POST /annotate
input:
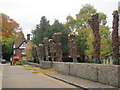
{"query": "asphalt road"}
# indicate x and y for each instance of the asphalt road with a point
(15, 77)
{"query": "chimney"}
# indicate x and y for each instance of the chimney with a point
(28, 37)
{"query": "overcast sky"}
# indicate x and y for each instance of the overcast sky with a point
(29, 12)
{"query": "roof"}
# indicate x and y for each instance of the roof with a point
(18, 42)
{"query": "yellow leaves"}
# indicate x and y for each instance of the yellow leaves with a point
(44, 71)
(119, 9)
(38, 70)
(28, 50)
(29, 68)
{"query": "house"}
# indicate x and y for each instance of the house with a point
(19, 46)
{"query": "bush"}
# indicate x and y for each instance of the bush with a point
(67, 59)
(20, 62)
(116, 61)
(80, 60)
(95, 61)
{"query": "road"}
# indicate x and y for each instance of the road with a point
(15, 77)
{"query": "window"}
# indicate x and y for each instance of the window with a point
(23, 51)
(14, 52)
(23, 58)
(23, 45)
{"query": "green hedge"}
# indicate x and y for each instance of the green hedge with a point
(20, 62)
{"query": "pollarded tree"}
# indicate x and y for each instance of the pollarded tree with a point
(80, 25)
(106, 42)
(44, 29)
(59, 27)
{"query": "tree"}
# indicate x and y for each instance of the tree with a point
(71, 23)
(81, 41)
(106, 43)
(83, 16)
(85, 36)
(7, 44)
(59, 27)
(9, 26)
(44, 29)
(41, 31)
(10, 31)
(28, 50)
(18, 34)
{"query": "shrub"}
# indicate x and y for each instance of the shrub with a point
(95, 61)
(20, 62)
(80, 60)
(67, 59)
(116, 61)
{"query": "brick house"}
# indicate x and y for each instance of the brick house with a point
(19, 46)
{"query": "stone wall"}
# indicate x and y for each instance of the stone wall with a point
(61, 67)
(105, 74)
(87, 71)
(109, 74)
(46, 65)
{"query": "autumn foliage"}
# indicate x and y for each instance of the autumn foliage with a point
(9, 26)
(9, 31)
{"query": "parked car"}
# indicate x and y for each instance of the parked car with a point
(0, 59)
(3, 61)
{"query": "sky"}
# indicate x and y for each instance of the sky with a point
(29, 12)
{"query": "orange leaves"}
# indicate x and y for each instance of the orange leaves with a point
(9, 26)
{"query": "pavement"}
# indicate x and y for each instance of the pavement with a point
(79, 82)
(1, 74)
(15, 77)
